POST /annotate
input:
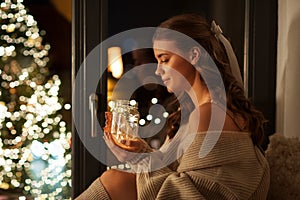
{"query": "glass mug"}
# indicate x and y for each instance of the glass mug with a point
(124, 120)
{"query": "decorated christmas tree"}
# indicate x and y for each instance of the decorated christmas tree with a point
(35, 155)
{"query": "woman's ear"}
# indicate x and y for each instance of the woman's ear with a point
(194, 55)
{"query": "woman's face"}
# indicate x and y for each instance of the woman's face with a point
(172, 67)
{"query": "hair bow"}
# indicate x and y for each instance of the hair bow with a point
(234, 66)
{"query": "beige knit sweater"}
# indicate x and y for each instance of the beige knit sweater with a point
(234, 169)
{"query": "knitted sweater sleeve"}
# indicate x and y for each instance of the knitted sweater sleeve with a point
(95, 191)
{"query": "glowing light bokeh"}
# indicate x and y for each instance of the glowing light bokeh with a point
(35, 141)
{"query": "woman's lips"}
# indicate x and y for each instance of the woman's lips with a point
(165, 80)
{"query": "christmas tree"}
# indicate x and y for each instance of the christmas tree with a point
(35, 154)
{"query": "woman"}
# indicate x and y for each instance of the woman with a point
(214, 136)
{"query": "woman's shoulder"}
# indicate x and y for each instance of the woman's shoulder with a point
(205, 112)
(210, 116)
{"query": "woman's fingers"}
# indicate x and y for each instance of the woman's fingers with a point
(136, 145)
(121, 154)
(108, 121)
(126, 149)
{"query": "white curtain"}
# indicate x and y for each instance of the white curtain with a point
(288, 69)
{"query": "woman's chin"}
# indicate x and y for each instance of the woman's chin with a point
(174, 90)
(169, 90)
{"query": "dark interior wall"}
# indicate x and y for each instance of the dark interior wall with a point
(229, 14)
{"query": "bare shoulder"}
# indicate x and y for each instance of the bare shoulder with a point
(205, 118)
(205, 112)
(200, 118)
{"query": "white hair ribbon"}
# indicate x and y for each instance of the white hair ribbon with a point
(234, 66)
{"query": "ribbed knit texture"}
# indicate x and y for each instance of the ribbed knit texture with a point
(94, 191)
(234, 169)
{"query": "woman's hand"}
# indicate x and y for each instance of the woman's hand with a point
(124, 149)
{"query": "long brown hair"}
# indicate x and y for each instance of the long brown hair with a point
(197, 28)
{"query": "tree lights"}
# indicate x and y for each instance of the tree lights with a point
(35, 141)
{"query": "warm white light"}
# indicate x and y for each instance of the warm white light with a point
(2, 51)
(11, 28)
(149, 117)
(111, 104)
(157, 121)
(142, 122)
(154, 100)
(67, 106)
(165, 114)
(115, 63)
(132, 102)
(3, 109)
(35, 111)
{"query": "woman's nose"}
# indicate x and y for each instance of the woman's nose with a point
(159, 70)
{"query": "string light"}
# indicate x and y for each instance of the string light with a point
(35, 141)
